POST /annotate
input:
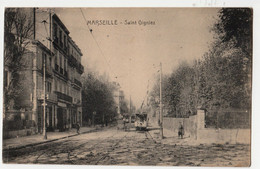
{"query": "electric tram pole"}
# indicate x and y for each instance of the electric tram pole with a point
(44, 133)
(161, 115)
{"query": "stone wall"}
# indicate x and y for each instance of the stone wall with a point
(222, 136)
(194, 127)
(189, 124)
(19, 133)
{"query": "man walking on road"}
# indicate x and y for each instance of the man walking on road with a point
(181, 131)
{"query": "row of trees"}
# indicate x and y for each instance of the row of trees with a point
(99, 95)
(222, 78)
(18, 29)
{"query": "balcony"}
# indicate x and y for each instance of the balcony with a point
(80, 69)
(48, 71)
(61, 71)
(49, 96)
(76, 101)
(73, 61)
(56, 40)
(61, 44)
(56, 67)
(66, 49)
(77, 82)
(65, 73)
(64, 97)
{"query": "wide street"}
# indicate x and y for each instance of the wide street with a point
(117, 147)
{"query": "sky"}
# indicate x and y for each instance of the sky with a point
(132, 53)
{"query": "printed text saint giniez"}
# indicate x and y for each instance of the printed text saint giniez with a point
(116, 22)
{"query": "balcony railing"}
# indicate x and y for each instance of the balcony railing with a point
(49, 96)
(73, 61)
(77, 82)
(61, 70)
(56, 40)
(62, 96)
(65, 73)
(56, 67)
(80, 69)
(76, 101)
(61, 44)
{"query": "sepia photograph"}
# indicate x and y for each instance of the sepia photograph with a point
(127, 86)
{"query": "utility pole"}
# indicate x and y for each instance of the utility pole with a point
(161, 115)
(44, 99)
(130, 111)
(118, 111)
(44, 83)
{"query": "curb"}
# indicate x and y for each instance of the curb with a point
(43, 142)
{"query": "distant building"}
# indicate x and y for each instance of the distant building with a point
(50, 40)
(118, 96)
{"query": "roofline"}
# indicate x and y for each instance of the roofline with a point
(75, 45)
(55, 17)
(42, 46)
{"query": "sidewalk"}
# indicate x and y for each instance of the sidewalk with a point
(170, 137)
(20, 142)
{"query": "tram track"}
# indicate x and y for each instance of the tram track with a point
(76, 150)
(68, 150)
(112, 147)
(149, 136)
(93, 146)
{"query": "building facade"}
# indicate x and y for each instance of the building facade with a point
(52, 48)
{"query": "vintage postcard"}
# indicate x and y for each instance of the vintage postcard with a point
(128, 86)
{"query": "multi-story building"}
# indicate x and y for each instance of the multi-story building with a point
(52, 46)
(118, 97)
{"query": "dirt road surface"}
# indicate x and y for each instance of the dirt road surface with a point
(118, 147)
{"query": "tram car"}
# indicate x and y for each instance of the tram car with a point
(141, 122)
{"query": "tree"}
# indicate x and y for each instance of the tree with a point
(18, 29)
(222, 78)
(98, 96)
(234, 43)
(236, 24)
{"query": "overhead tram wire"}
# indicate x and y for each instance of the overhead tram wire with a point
(147, 92)
(91, 32)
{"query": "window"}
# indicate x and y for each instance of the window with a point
(65, 64)
(65, 89)
(55, 85)
(60, 62)
(55, 31)
(60, 87)
(50, 61)
(43, 58)
(65, 41)
(48, 86)
(61, 43)
(55, 56)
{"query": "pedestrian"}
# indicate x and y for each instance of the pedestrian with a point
(78, 127)
(181, 131)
